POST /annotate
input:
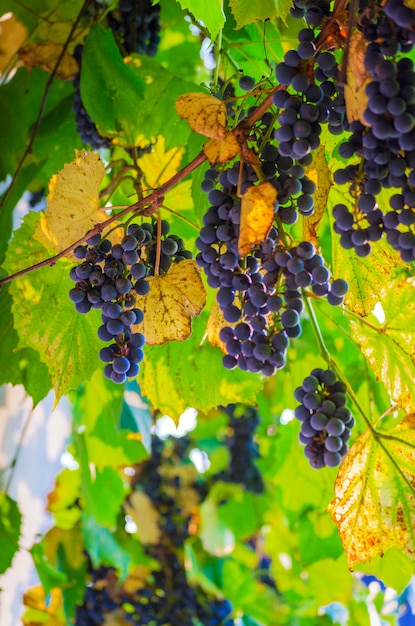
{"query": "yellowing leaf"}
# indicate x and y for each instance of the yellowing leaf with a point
(389, 348)
(72, 203)
(357, 78)
(410, 4)
(215, 322)
(145, 516)
(45, 55)
(34, 598)
(257, 216)
(205, 114)
(374, 504)
(221, 151)
(320, 174)
(12, 34)
(173, 300)
(158, 165)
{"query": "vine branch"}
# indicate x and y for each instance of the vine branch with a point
(148, 206)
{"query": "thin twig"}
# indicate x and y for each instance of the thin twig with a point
(148, 205)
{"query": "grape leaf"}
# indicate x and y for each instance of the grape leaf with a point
(221, 151)
(364, 275)
(111, 90)
(145, 515)
(257, 216)
(209, 13)
(106, 510)
(62, 500)
(182, 374)
(43, 608)
(374, 504)
(19, 366)
(10, 523)
(160, 164)
(320, 174)
(204, 113)
(72, 203)
(45, 318)
(246, 11)
(389, 348)
(357, 79)
(13, 34)
(174, 298)
(216, 321)
(153, 117)
(45, 55)
(101, 441)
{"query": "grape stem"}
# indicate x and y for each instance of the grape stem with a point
(333, 364)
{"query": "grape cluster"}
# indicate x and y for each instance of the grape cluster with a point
(166, 599)
(111, 277)
(243, 421)
(85, 126)
(326, 422)
(136, 25)
(260, 295)
(162, 477)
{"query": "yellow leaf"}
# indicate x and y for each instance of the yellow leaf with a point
(389, 347)
(145, 516)
(320, 174)
(72, 203)
(158, 165)
(136, 580)
(205, 114)
(12, 34)
(34, 598)
(357, 78)
(257, 216)
(374, 504)
(45, 55)
(410, 4)
(215, 322)
(221, 151)
(173, 300)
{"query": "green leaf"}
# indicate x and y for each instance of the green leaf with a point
(60, 561)
(210, 13)
(336, 571)
(10, 523)
(217, 538)
(105, 510)
(389, 347)
(49, 575)
(179, 375)
(243, 591)
(45, 318)
(246, 11)
(229, 500)
(100, 439)
(156, 114)
(114, 549)
(111, 92)
(135, 415)
(19, 366)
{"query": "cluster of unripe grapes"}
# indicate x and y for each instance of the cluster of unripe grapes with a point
(326, 422)
(111, 277)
